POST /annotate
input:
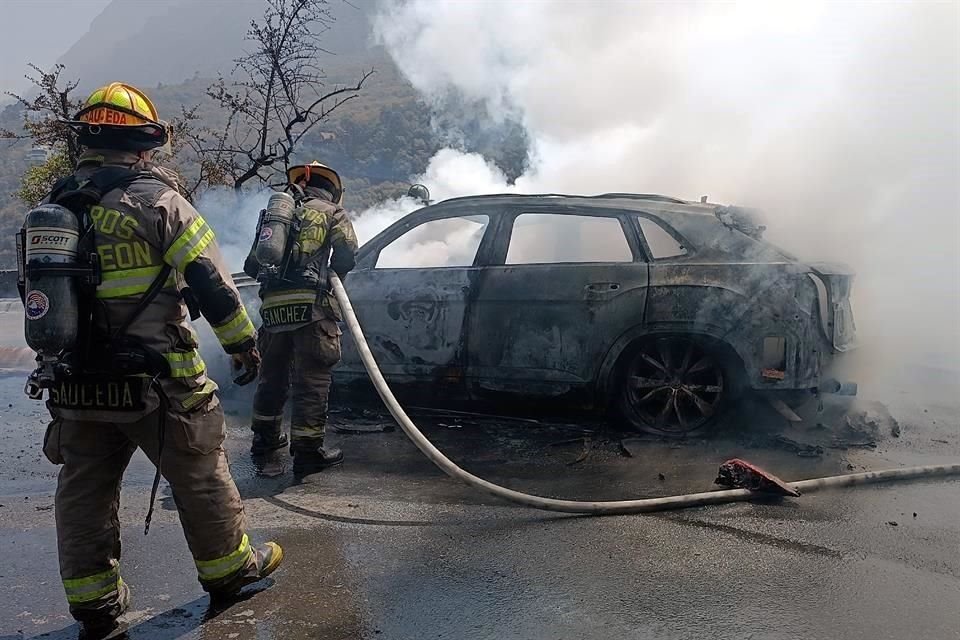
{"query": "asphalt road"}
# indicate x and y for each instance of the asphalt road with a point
(386, 547)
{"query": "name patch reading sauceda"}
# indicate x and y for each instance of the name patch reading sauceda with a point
(123, 394)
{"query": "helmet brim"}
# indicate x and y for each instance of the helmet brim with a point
(131, 138)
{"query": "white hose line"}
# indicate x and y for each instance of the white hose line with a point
(576, 506)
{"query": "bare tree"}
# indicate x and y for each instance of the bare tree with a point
(196, 167)
(276, 96)
(44, 114)
(43, 123)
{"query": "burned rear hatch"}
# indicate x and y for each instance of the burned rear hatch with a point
(834, 282)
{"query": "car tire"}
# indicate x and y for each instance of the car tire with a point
(674, 385)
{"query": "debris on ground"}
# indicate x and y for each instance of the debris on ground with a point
(870, 423)
(632, 447)
(354, 428)
(740, 474)
(584, 453)
(840, 443)
(893, 523)
(802, 449)
(451, 413)
(560, 443)
(359, 420)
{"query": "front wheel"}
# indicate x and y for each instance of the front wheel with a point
(673, 386)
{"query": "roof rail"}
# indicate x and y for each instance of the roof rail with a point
(641, 196)
(623, 196)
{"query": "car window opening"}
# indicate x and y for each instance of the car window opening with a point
(549, 238)
(447, 242)
(662, 244)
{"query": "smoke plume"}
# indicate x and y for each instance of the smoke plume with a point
(841, 121)
(234, 219)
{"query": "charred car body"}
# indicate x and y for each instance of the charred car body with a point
(660, 309)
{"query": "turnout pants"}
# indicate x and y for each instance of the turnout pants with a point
(298, 363)
(94, 456)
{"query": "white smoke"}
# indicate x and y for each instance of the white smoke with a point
(841, 120)
(450, 174)
(233, 218)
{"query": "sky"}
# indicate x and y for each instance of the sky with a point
(64, 22)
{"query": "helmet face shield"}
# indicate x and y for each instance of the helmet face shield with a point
(167, 146)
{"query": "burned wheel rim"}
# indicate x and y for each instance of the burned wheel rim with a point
(673, 386)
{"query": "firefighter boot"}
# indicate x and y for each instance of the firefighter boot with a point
(267, 558)
(101, 622)
(269, 455)
(312, 457)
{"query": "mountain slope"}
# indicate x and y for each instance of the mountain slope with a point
(169, 41)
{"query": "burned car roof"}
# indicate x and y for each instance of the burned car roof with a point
(713, 230)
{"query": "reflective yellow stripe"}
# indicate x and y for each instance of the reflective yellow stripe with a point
(200, 395)
(82, 590)
(189, 244)
(298, 296)
(306, 433)
(237, 328)
(185, 365)
(259, 417)
(228, 564)
(129, 282)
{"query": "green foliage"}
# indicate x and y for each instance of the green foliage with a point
(37, 181)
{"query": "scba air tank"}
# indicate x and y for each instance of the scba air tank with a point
(50, 301)
(276, 226)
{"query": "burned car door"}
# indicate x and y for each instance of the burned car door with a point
(410, 294)
(566, 283)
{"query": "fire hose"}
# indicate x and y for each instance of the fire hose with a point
(645, 505)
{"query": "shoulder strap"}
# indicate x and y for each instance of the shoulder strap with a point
(67, 183)
(76, 195)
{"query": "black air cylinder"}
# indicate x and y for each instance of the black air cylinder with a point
(50, 301)
(276, 225)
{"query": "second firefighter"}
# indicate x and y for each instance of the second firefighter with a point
(299, 339)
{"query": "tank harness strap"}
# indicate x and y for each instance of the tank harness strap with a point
(145, 300)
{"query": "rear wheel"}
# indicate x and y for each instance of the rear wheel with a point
(673, 385)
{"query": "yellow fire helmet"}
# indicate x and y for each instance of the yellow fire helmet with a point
(317, 175)
(120, 116)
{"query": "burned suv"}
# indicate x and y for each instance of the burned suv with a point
(661, 309)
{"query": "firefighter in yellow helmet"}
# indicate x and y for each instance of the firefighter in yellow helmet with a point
(139, 381)
(300, 338)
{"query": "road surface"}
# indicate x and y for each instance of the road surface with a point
(386, 547)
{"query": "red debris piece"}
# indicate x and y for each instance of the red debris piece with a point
(740, 474)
